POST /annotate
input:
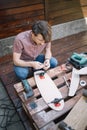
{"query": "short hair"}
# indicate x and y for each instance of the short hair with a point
(42, 27)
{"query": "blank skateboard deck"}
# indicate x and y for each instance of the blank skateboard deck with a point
(74, 83)
(75, 80)
(82, 71)
(48, 90)
(77, 118)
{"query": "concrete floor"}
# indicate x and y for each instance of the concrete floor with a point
(7, 111)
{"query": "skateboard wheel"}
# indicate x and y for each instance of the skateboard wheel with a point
(57, 104)
(42, 77)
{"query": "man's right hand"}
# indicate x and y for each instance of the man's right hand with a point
(37, 65)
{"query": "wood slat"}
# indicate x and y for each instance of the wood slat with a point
(67, 11)
(14, 4)
(66, 18)
(21, 16)
(83, 2)
(63, 5)
(76, 120)
(21, 9)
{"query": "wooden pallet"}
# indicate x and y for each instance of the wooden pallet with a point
(42, 117)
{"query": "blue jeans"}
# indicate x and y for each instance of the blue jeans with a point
(25, 72)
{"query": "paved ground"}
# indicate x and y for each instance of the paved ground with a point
(9, 119)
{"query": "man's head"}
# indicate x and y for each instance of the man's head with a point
(41, 32)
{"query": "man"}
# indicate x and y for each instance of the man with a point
(28, 47)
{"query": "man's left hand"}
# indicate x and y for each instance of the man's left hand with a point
(46, 64)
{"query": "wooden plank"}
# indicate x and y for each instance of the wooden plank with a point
(13, 4)
(84, 10)
(46, 7)
(83, 2)
(17, 28)
(67, 11)
(21, 9)
(21, 16)
(67, 18)
(50, 126)
(77, 118)
(63, 5)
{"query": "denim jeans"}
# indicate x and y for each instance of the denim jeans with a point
(25, 72)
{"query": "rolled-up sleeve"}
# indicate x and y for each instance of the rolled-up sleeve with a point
(17, 47)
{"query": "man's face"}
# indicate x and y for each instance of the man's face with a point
(38, 39)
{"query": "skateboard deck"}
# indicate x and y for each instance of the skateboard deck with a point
(48, 90)
(75, 79)
(82, 71)
(74, 83)
(77, 118)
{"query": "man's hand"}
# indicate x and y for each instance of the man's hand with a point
(37, 65)
(46, 64)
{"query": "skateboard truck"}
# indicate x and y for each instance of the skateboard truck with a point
(63, 126)
(28, 90)
(41, 75)
(56, 101)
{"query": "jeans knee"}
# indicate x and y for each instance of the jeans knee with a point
(40, 58)
(53, 63)
(21, 73)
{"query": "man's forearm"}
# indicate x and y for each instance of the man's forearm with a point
(48, 55)
(23, 63)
